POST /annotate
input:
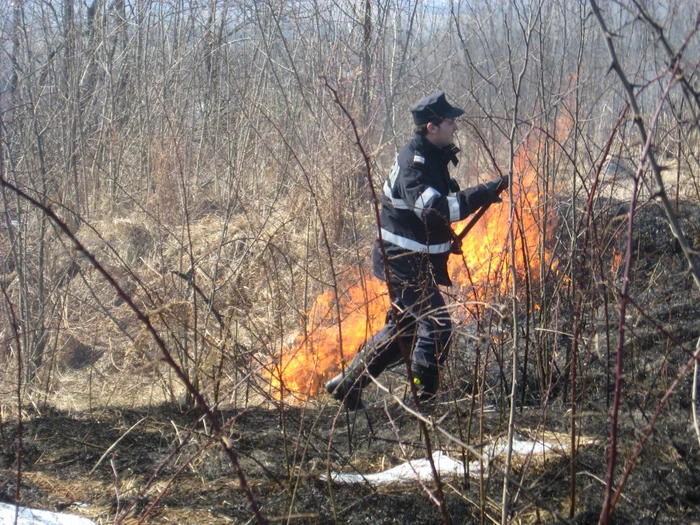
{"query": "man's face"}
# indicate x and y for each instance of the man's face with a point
(443, 134)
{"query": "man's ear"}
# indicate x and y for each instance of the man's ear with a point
(432, 128)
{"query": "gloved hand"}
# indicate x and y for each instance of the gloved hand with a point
(496, 186)
(474, 198)
(454, 186)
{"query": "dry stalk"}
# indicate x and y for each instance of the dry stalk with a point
(436, 425)
(647, 153)
(671, 216)
(405, 452)
(528, 30)
(20, 429)
(579, 302)
(15, 332)
(114, 445)
(652, 422)
(185, 464)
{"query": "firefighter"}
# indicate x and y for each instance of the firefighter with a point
(419, 201)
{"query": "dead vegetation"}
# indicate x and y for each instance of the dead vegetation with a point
(103, 440)
(187, 215)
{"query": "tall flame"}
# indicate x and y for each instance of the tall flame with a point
(485, 250)
(361, 305)
(317, 353)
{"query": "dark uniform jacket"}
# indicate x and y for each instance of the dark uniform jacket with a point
(416, 213)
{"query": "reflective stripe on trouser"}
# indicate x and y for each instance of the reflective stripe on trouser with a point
(424, 325)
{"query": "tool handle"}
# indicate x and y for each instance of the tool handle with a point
(475, 218)
(458, 237)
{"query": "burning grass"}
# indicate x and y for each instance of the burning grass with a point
(334, 332)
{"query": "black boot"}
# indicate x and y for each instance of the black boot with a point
(427, 380)
(347, 387)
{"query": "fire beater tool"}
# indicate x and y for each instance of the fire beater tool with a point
(457, 238)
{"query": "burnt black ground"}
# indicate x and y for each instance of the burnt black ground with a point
(61, 449)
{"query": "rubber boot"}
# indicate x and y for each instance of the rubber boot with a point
(427, 381)
(347, 387)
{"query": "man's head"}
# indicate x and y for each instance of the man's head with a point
(434, 118)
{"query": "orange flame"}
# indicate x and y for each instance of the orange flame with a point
(361, 307)
(616, 262)
(485, 249)
(316, 354)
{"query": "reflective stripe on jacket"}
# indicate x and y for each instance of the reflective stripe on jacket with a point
(417, 210)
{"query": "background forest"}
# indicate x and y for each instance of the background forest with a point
(188, 198)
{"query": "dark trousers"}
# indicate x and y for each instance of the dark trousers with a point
(418, 320)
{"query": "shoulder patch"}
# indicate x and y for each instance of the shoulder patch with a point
(418, 159)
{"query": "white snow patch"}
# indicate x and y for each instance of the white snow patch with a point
(420, 469)
(38, 517)
(408, 471)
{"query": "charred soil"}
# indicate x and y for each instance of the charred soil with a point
(165, 457)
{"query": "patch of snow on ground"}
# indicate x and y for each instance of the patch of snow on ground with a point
(420, 468)
(38, 517)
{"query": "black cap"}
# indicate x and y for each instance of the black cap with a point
(435, 105)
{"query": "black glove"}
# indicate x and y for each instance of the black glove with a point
(474, 198)
(454, 186)
(496, 186)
